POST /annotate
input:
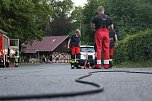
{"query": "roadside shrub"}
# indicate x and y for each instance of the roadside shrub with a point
(135, 48)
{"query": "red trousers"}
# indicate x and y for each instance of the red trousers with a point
(75, 50)
(111, 51)
(102, 43)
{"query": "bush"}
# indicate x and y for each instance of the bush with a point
(135, 48)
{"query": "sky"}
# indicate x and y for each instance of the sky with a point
(79, 2)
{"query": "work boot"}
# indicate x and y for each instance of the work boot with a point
(110, 63)
(78, 66)
(98, 66)
(106, 66)
(72, 66)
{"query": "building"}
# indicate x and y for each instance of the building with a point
(52, 48)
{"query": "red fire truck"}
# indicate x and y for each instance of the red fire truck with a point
(9, 50)
(4, 49)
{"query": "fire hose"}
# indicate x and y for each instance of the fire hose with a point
(99, 88)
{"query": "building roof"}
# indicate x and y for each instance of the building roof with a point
(48, 43)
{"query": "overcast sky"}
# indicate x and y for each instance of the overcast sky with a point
(79, 2)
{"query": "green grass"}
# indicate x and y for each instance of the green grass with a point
(129, 64)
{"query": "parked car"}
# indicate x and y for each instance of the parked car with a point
(87, 53)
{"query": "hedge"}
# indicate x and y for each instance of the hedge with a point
(135, 48)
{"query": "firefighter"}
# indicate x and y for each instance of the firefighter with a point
(113, 44)
(101, 23)
(16, 56)
(74, 46)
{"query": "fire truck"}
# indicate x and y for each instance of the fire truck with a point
(4, 49)
(8, 49)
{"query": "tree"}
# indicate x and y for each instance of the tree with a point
(60, 22)
(60, 26)
(88, 12)
(24, 19)
(77, 17)
(129, 16)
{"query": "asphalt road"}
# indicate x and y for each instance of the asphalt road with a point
(59, 78)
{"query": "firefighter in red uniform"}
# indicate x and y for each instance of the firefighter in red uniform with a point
(101, 23)
(113, 44)
(74, 46)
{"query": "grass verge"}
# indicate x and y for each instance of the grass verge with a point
(128, 64)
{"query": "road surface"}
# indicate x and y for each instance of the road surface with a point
(59, 78)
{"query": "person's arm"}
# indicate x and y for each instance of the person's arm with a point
(80, 43)
(112, 26)
(69, 43)
(116, 40)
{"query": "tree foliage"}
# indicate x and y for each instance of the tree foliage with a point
(60, 26)
(61, 8)
(24, 19)
(77, 16)
(30, 19)
(129, 16)
(135, 48)
(60, 22)
(88, 12)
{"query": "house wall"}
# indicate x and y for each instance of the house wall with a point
(60, 57)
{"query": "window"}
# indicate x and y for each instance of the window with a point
(87, 49)
(13, 42)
